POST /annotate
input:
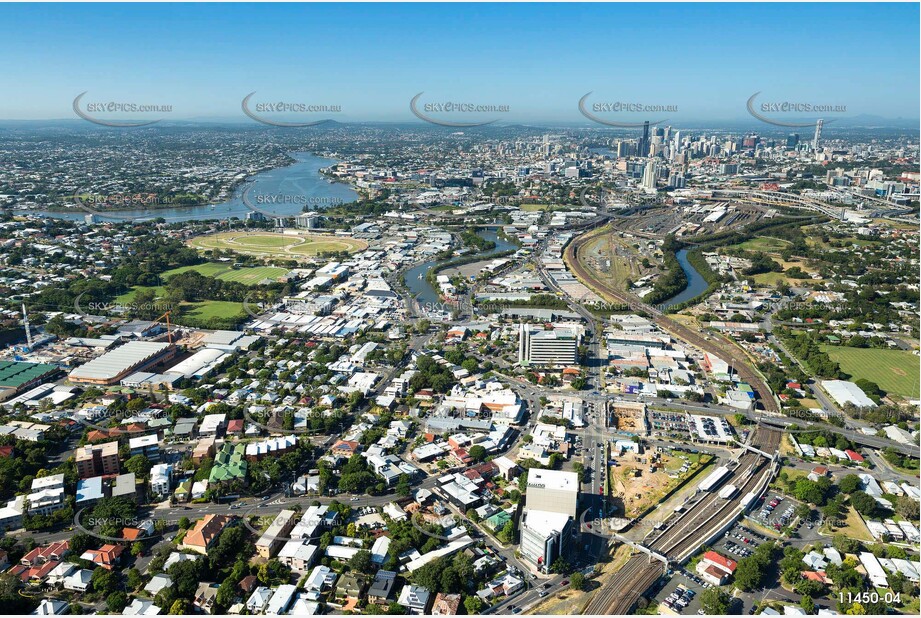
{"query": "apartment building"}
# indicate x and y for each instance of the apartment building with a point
(97, 460)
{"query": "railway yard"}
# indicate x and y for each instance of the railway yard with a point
(706, 516)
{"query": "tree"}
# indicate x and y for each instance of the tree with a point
(714, 601)
(810, 587)
(863, 503)
(403, 487)
(104, 582)
(906, 507)
(226, 593)
(179, 607)
(429, 575)
(849, 484)
(139, 465)
(845, 544)
(577, 581)
(79, 543)
(361, 561)
(856, 610)
(561, 566)
(116, 602)
(807, 604)
(477, 453)
(273, 572)
(473, 604)
(507, 534)
(186, 576)
(449, 581)
(133, 580)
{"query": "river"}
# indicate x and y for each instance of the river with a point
(418, 284)
(697, 285)
(283, 191)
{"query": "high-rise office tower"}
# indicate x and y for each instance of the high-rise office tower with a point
(643, 149)
(649, 176)
(818, 135)
(792, 140)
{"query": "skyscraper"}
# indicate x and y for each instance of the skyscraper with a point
(649, 176)
(818, 135)
(792, 140)
(643, 149)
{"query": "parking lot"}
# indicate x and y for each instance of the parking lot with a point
(738, 542)
(775, 512)
(672, 422)
(681, 595)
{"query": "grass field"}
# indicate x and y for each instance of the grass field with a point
(535, 207)
(765, 244)
(215, 309)
(895, 371)
(248, 275)
(771, 278)
(851, 526)
(269, 244)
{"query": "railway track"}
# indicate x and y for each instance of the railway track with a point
(733, 356)
(686, 534)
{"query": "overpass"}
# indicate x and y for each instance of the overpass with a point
(788, 200)
(642, 548)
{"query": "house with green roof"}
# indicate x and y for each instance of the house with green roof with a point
(498, 520)
(229, 464)
(184, 491)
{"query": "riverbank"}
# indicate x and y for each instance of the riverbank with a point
(285, 191)
(420, 278)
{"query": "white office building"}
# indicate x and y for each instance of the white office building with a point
(554, 491)
(538, 346)
(545, 537)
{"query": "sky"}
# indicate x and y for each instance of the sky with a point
(706, 60)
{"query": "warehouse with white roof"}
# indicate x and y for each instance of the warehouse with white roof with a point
(113, 366)
(844, 392)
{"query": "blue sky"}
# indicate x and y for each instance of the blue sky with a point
(538, 59)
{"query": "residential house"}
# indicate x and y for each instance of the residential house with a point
(382, 588)
(415, 599)
(446, 604)
(205, 532)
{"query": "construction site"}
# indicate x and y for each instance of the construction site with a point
(627, 417)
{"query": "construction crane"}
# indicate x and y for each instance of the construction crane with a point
(25, 323)
(169, 332)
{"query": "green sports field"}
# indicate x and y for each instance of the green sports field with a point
(269, 244)
(248, 275)
(765, 244)
(216, 309)
(895, 371)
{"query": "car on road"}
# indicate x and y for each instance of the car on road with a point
(516, 610)
(546, 586)
(565, 582)
(355, 499)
